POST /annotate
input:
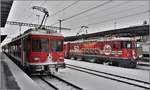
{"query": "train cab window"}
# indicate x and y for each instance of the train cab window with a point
(138, 45)
(57, 45)
(128, 44)
(40, 45)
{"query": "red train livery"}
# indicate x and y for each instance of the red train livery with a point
(38, 50)
(122, 52)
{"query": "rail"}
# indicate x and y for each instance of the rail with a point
(130, 81)
(57, 83)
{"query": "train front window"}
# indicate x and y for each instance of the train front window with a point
(57, 45)
(128, 44)
(40, 45)
(138, 45)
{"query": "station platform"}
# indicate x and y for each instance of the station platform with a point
(13, 78)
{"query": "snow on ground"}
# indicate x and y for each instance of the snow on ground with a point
(42, 84)
(91, 82)
(128, 72)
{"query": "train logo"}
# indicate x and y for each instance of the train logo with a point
(49, 58)
(76, 48)
(107, 49)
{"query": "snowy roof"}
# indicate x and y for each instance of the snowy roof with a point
(105, 39)
(36, 31)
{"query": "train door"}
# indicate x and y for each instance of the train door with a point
(24, 50)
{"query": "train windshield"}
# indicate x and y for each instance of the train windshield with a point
(126, 44)
(40, 45)
(138, 45)
(57, 45)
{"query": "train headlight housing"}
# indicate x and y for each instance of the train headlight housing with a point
(61, 57)
(140, 56)
(36, 58)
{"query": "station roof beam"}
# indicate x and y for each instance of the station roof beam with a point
(5, 9)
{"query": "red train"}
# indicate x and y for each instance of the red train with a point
(38, 50)
(122, 52)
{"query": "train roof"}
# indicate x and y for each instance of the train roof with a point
(132, 31)
(37, 31)
(105, 39)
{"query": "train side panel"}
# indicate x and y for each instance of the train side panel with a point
(122, 53)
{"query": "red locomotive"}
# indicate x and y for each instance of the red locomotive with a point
(38, 50)
(117, 51)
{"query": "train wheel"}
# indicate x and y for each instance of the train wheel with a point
(106, 62)
(64, 65)
(56, 68)
(72, 58)
(99, 61)
(92, 60)
(114, 63)
(133, 64)
(79, 58)
(128, 64)
(28, 70)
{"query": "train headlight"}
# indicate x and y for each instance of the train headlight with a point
(140, 56)
(61, 57)
(36, 58)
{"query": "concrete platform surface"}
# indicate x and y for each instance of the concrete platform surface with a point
(13, 78)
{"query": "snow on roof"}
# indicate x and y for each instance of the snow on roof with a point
(36, 31)
(105, 39)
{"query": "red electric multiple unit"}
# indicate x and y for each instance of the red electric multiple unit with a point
(116, 51)
(38, 50)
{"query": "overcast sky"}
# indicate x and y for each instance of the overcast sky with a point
(97, 15)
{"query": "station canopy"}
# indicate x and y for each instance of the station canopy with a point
(5, 9)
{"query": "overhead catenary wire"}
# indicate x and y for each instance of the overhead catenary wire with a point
(91, 14)
(129, 9)
(122, 17)
(135, 14)
(87, 10)
(102, 10)
(31, 15)
(70, 5)
(90, 9)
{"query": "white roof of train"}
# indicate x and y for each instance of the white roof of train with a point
(35, 31)
(105, 39)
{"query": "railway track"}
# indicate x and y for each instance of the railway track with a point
(122, 79)
(57, 83)
(143, 67)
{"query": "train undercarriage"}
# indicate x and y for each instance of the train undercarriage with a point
(121, 62)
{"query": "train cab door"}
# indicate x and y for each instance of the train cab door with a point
(24, 51)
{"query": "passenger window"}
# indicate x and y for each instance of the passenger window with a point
(128, 44)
